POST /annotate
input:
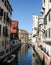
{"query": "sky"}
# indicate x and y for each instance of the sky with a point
(23, 11)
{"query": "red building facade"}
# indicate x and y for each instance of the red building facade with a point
(14, 30)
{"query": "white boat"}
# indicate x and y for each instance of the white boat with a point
(9, 59)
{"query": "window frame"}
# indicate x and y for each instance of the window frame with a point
(49, 17)
(2, 0)
(0, 29)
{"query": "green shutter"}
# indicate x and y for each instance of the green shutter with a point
(45, 21)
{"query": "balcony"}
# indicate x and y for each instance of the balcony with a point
(40, 23)
(48, 41)
(34, 35)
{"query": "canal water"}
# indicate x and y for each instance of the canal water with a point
(24, 56)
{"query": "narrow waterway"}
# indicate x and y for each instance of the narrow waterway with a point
(25, 56)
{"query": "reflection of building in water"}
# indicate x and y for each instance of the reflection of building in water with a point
(22, 51)
(23, 36)
(30, 38)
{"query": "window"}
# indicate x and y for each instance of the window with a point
(2, 43)
(11, 12)
(7, 50)
(46, 33)
(1, 11)
(7, 42)
(45, 21)
(3, 30)
(44, 1)
(49, 16)
(6, 31)
(7, 16)
(2, 0)
(0, 29)
(4, 16)
(7, 6)
(14, 28)
(1, 53)
(5, 3)
(49, 33)
(50, 0)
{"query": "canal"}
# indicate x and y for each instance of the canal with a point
(25, 56)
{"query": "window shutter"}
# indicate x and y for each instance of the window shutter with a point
(1, 12)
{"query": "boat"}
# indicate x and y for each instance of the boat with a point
(9, 59)
(33, 54)
(28, 46)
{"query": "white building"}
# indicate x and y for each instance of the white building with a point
(40, 29)
(37, 27)
(44, 32)
(46, 12)
(34, 28)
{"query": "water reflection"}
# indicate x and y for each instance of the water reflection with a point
(25, 55)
